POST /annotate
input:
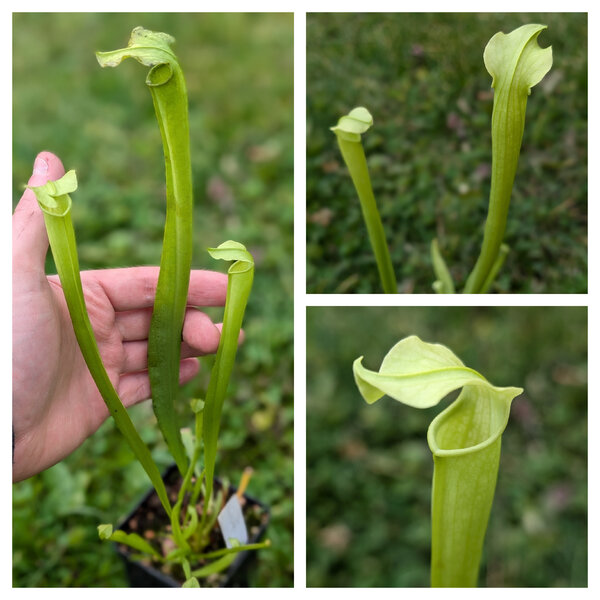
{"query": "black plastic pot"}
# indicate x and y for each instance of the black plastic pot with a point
(143, 575)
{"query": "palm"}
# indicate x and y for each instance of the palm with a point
(60, 389)
(77, 400)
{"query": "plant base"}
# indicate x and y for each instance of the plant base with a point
(148, 518)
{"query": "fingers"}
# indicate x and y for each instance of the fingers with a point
(241, 336)
(30, 242)
(200, 336)
(135, 387)
(135, 287)
(198, 330)
(134, 325)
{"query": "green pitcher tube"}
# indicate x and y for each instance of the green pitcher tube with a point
(348, 132)
(465, 442)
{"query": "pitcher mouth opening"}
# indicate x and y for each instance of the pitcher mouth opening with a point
(471, 423)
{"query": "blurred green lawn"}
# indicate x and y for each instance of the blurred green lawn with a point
(422, 77)
(369, 468)
(239, 72)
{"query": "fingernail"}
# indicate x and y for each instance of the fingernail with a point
(40, 166)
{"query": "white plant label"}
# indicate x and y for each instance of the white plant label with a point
(231, 521)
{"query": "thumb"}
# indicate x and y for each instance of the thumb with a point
(30, 241)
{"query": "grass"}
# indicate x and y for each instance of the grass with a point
(369, 467)
(429, 152)
(238, 69)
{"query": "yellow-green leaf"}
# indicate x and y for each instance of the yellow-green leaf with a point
(464, 440)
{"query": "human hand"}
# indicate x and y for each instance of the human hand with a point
(56, 404)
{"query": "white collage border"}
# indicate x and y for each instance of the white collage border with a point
(303, 300)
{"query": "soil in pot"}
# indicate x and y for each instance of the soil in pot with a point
(149, 520)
